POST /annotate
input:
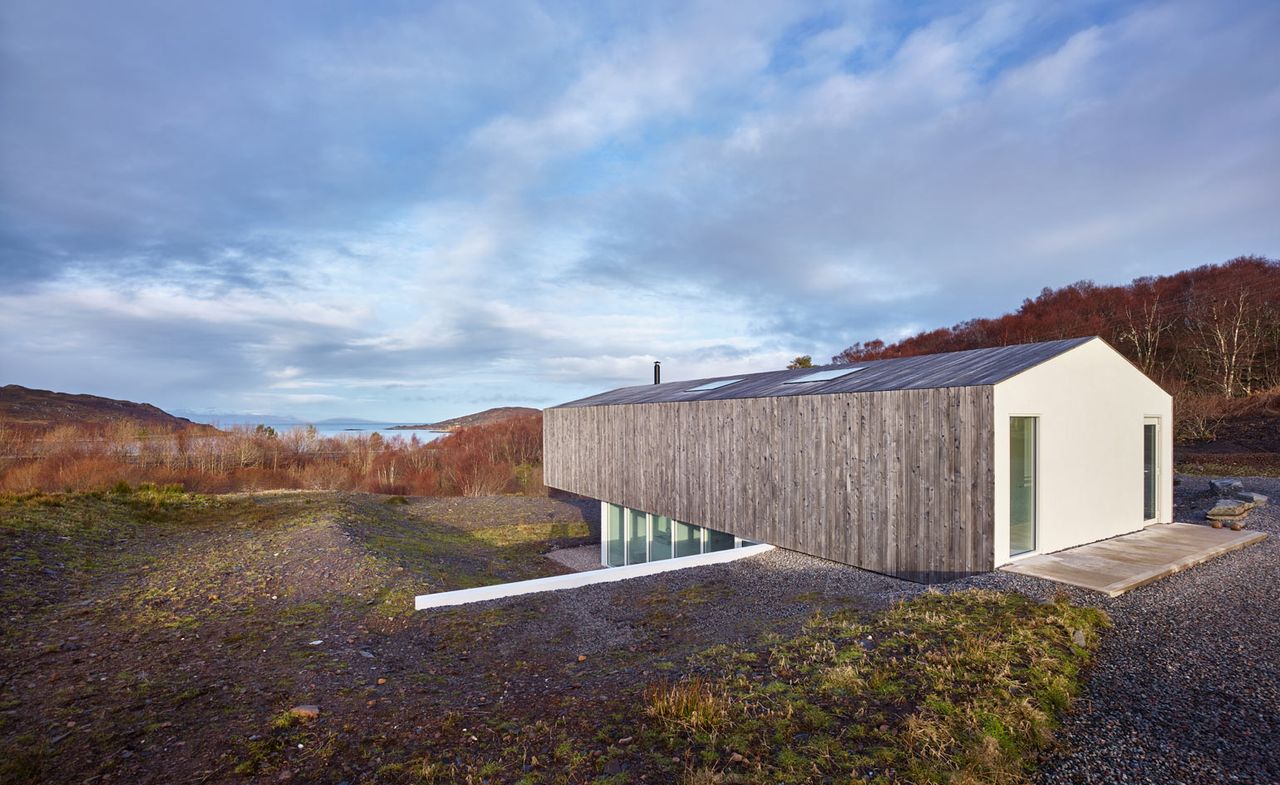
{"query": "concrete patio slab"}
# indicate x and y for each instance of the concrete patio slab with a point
(1115, 566)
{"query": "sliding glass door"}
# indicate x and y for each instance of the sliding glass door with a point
(1022, 484)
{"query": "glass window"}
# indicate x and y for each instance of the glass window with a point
(719, 541)
(1150, 472)
(660, 542)
(1022, 485)
(822, 376)
(638, 537)
(688, 539)
(615, 546)
(713, 385)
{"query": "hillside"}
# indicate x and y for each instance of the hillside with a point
(1209, 335)
(1211, 330)
(486, 417)
(45, 409)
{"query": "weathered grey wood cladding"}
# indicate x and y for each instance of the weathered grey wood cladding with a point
(899, 482)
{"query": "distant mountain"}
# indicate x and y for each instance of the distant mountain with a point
(45, 408)
(231, 419)
(486, 417)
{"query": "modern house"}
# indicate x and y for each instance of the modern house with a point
(928, 468)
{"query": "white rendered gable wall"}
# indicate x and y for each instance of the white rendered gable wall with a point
(1091, 404)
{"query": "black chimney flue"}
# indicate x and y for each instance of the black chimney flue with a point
(657, 372)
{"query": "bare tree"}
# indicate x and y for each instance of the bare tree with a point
(1227, 329)
(1142, 329)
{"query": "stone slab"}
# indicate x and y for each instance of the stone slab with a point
(1256, 499)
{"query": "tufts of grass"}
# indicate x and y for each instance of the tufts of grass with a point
(24, 759)
(956, 688)
(959, 688)
(1242, 465)
(694, 705)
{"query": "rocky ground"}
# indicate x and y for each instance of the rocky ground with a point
(149, 638)
(171, 650)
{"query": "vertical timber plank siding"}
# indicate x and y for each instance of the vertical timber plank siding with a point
(874, 523)
(898, 482)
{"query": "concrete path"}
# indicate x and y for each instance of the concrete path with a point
(581, 559)
(1115, 566)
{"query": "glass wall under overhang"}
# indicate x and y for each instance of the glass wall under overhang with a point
(635, 537)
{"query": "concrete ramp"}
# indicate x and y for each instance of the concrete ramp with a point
(1115, 566)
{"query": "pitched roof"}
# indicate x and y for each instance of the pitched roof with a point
(971, 368)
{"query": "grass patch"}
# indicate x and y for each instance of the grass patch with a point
(955, 688)
(694, 705)
(51, 541)
(944, 688)
(1248, 465)
(455, 558)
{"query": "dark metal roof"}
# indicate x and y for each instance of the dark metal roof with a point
(970, 368)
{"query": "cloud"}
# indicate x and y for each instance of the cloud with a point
(408, 211)
(950, 180)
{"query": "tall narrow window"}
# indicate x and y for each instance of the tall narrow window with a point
(615, 543)
(638, 537)
(1022, 485)
(1150, 468)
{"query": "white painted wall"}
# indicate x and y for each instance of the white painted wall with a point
(574, 580)
(1091, 402)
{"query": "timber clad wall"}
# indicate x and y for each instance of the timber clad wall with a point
(897, 481)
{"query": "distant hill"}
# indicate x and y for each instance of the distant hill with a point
(1212, 330)
(486, 417)
(45, 409)
(232, 419)
(1210, 336)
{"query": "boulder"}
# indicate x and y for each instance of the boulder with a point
(1228, 510)
(1225, 487)
(1256, 499)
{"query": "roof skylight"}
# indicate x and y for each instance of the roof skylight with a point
(716, 385)
(822, 376)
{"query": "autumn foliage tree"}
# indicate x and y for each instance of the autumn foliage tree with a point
(1207, 335)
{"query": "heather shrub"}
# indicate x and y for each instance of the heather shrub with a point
(502, 457)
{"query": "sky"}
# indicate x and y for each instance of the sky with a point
(406, 211)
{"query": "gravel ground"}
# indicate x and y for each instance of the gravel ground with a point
(582, 559)
(1186, 688)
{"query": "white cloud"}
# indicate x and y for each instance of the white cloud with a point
(436, 206)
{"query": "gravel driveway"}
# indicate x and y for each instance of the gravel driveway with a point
(1187, 686)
